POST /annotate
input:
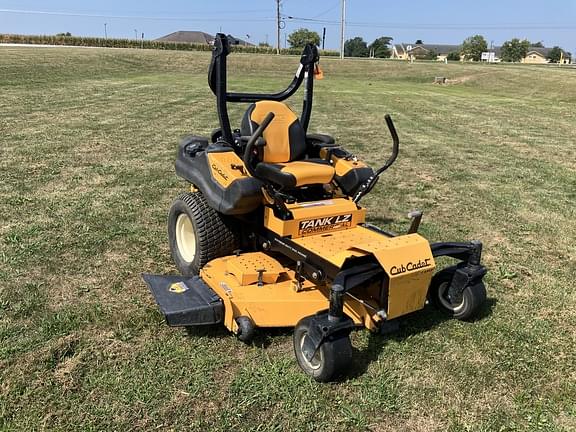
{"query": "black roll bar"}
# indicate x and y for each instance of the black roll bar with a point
(217, 80)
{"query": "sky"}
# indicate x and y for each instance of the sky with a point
(437, 21)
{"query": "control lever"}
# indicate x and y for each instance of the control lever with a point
(253, 141)
(371, 182)
(416, 216)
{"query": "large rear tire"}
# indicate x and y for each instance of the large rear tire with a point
(198, 234)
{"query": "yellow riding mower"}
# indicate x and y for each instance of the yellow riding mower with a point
(271, 234)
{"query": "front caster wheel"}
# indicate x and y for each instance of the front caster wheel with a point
(464, 306)
(246, 329)
(332, 359)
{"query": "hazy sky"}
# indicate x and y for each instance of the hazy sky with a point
(437, 21)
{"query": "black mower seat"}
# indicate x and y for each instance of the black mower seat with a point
(297, 173)
(283, 161)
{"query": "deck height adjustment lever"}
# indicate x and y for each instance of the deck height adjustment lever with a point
(261, 277)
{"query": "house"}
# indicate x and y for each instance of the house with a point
(423, 51)
(191, 37)
(199, 38)
(536, 55)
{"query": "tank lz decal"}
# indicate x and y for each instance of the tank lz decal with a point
(323, 224)
(219, 171)
(410, 267)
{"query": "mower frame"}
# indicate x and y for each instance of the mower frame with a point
(391, 265)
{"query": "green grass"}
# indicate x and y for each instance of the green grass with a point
(87, 145)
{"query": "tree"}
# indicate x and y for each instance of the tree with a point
(555, 54)
(419, 42)
(473, 47)
(514, 50)
(64, 34)
(431, 55)
(380, 47)
(299, 38)
(537, 44)
(355, 47)
(453, 56)
(264, 45)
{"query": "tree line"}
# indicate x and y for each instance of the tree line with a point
(513, 50)
(355, 47)
(472, 48)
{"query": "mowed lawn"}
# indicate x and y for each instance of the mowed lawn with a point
(87, 146)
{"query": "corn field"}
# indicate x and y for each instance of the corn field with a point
(134, 43)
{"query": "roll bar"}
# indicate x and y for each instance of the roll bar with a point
(217, 80)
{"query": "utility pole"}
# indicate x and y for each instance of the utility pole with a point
(342, 28)
(136, 34)
(323, 37)
(106, 30)
(278, 27)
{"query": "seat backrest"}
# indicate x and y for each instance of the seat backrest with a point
(285, 138)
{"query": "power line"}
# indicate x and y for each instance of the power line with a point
(326, 11)
(411, 26)
(402, 26)
(142, 17)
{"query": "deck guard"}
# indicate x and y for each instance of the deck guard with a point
(409, 264)
(185, 301)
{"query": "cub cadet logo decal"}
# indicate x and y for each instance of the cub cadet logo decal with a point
(178, 288)
(219, 171)
(330, 223)
(410, 267)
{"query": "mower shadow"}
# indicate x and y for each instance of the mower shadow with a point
(381, 221)
(398, 331)
(265, 337)
(214, 331)
(262, 339)
(408, 326)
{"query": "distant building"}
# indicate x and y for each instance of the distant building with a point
(403, 51)
(192, 37)
(198, 37)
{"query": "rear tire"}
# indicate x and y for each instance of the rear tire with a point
(463, 308)
(198, 234)
(332, 359)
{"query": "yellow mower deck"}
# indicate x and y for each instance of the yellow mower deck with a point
(278, 300)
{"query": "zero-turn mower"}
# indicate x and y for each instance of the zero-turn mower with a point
(271, 234)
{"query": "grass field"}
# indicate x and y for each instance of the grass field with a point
(87, 145)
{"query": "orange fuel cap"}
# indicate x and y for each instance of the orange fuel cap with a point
(318, 73)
